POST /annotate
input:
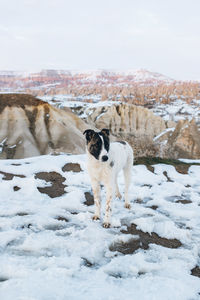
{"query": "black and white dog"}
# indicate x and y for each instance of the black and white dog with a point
(105, 160)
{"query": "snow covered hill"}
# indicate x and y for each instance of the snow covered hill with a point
(51, 249)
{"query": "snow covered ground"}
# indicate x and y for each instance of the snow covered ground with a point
(178, 110)
(50, 249)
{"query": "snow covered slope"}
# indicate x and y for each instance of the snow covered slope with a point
(51, 249)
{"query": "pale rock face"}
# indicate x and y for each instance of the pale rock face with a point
(184, 142)
(133, 123)
(128, 119)
(139, 126)
(30, 127)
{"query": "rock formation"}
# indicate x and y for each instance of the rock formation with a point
(127, 119)
(183, 142)
(139, 126)
(136, 124)
(31, 127)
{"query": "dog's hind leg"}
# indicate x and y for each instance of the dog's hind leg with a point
(97, 200)
(127, 180)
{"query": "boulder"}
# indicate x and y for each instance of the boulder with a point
(31, 127)
(183, 142)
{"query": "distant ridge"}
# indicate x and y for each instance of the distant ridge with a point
(32, 82)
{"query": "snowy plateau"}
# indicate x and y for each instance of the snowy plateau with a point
(51, 249)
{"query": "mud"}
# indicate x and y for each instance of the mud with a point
(57, 188)
(9, 176)
(89, 199)
(196, 271)
(74, 167)
(142, 242)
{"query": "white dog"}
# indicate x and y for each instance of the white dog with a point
(105, 160)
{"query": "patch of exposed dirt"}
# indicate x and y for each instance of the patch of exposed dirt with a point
(9, 176)
(180, 166)
(57, 187)
(184, 201)
(154, 207)
(16, 188)
(19, 100)
(168, 178)
(22, 214)
(60, 218)
(89, 199)
(142, 242)
(196, 271)
(74, 167)
(183, 169)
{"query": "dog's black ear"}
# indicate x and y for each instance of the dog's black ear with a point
(105, 131)
(88, 134)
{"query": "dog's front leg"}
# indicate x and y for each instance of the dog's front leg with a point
(97, 200)
(110, 191)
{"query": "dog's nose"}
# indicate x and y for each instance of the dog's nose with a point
(104, 158)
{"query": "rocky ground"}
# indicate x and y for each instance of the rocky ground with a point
(51, 249)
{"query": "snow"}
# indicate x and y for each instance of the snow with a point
(178, 110)
(175, 111)
(43, 257)
(163, 132)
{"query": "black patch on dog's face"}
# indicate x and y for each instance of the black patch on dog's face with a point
(105, 134)
(88, 134)
(95, 145)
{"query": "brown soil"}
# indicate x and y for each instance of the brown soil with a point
(89, 199)
(196, 271)
(154, 207)
(183, 169)
(180, 166)
(57, 187)
(62, 219)
(184, 201)
(72, 167)
(9, 176)
(19, 100)
(16, 188)
(168, 178)
(142, 242)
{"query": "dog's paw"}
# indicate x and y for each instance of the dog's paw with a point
(127, 205)
(95, 218)
(118, 195)
(106, 225)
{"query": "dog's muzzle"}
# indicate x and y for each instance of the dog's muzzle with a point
(104, 158)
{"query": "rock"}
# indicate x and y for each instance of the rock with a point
(31, 127)
(136, 124)
(183, 142)
(148, 134)
(127, 119)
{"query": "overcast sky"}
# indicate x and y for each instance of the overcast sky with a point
(158, 35)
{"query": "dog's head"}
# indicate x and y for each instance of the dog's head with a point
(98, 143)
